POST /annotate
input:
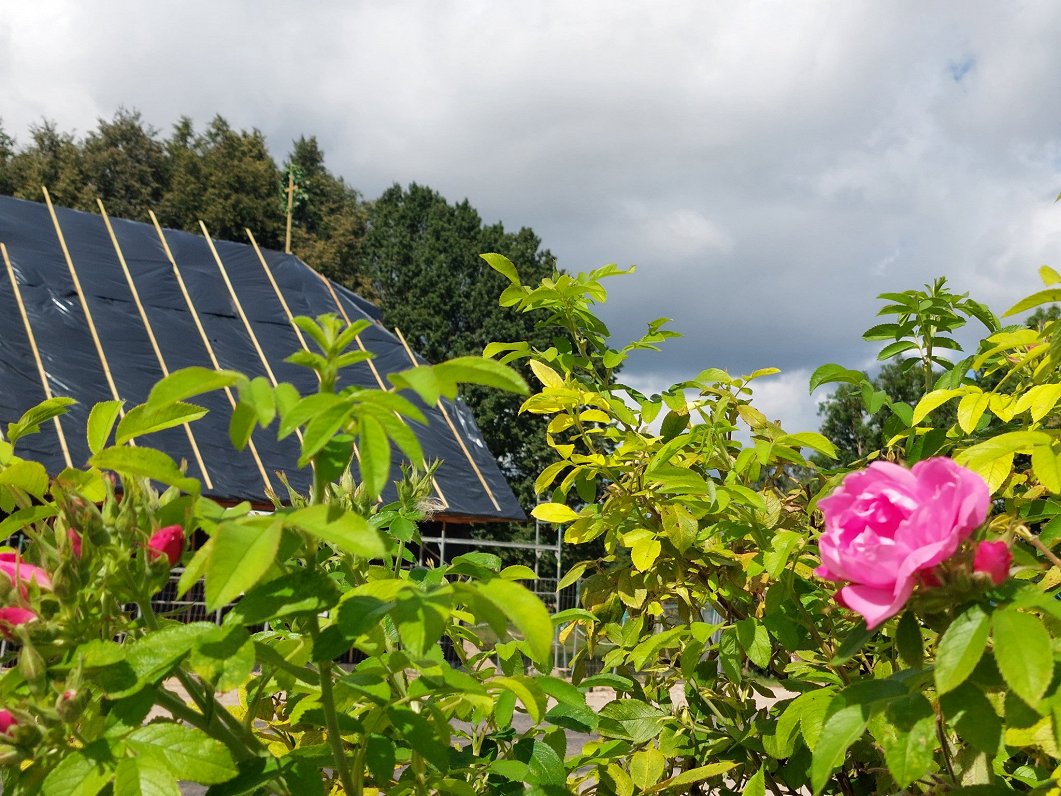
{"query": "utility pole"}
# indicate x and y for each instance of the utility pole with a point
(290, 205)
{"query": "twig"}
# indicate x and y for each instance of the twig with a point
(1035, 542)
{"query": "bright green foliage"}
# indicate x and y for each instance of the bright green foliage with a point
(731, 665)
(328, 573)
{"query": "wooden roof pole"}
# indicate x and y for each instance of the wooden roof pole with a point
(36, 353)
(84, 303)
(151, 336)
(206, 341)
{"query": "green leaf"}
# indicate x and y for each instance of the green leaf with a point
(909, 739)
(27, 475)
(479, 370)
(1050, 295)
(895, 348)
(852, 643)
(845, 721)
(299, 592)
(883, 331)
(31, 420)
(187, 752)
(960, 648)
(1024, 653)
(375, 462)
(81, 773)
(1046, 465)
(144, 776)
(630, 719)
(554, 513)
(322, 428)
(23, 517)
(809, 439)
(756, 785)
(572, 575)
(932, 401)
(692, 776)
(970, 712)
(908, 641)
(421, 736)
(144, 462)
(503, 266)
(970, 409)
(646, 767)
(835, 373)
(348, 531)
(100, 423)
(224, 657)
(241, 425)
(149, 418)
(242, 553)
(755, 640)
(526, 612)
(189, 382)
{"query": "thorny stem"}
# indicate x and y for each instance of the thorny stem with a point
(945, 745)
(1035, 542)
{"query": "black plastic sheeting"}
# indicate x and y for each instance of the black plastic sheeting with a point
(74, 368)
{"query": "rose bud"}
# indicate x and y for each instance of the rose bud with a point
(19, 572)
(7, 721)
(168, 542)
(993, 559)
(75, 542)
(12, 616)
(33, 669)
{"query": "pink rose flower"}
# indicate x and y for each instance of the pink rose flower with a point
(168, 542)
(994, 558)
(19, 572)
(7, 721)
(886, 524)
(13, 616)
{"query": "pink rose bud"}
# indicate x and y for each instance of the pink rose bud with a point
(20, 573)
(886, 525)
(12, 616)
(168, 542)
(994, 558)
(7, 721)
(75, 542)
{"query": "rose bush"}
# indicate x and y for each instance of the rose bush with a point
(729, 667)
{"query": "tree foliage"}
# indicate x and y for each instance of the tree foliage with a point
(422, 254)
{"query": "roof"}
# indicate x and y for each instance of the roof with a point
(79, 286)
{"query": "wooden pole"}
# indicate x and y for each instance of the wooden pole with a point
(151, 335)
(290, 207)
(36, 352)
(206, 341)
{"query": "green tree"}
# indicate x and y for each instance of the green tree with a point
(422, 254)
(225, 177)
(52, 159)
(855, 432)
(329, 217)
(124, 163)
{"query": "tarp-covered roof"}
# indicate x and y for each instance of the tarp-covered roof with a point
(47, 253)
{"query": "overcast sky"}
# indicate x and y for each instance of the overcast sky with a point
(769, 167)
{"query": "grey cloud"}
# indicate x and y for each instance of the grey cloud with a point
(769, 167)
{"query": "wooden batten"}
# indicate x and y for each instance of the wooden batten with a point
(36, 352)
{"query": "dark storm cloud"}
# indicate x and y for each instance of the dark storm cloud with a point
(769, 167)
